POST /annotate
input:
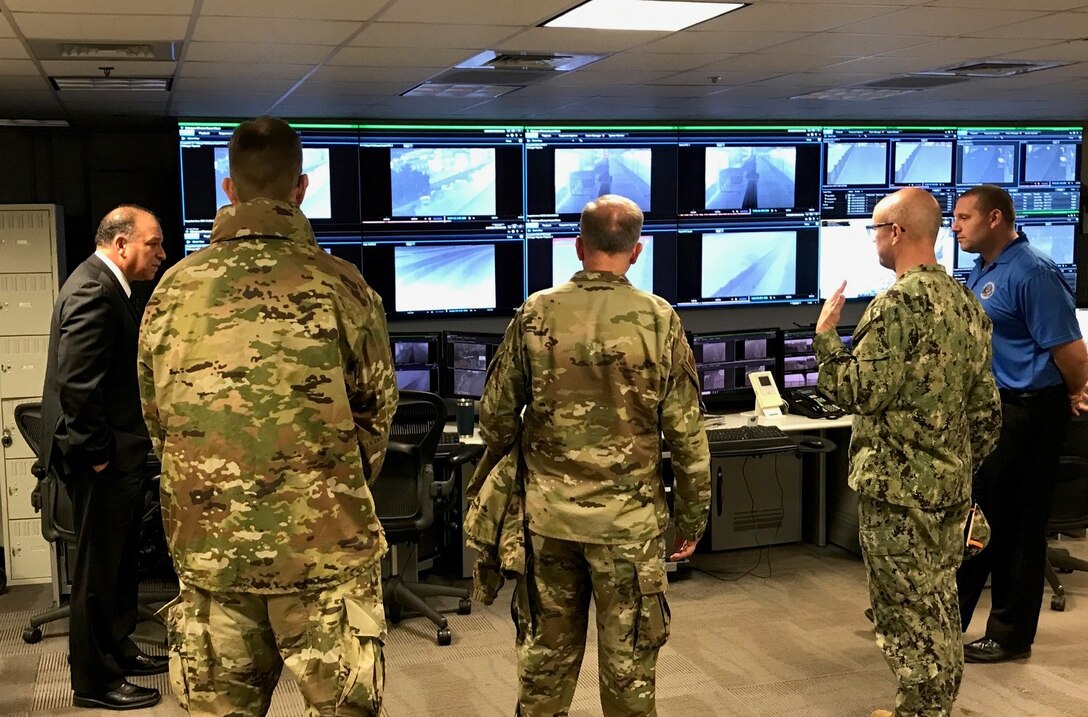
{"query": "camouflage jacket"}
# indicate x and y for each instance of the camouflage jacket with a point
(268, 391)
(602, 370)
(494, 525)
(919, 383)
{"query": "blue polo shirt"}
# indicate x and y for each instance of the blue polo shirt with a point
(1032, 309)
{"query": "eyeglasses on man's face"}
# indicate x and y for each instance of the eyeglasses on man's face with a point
(871, 228)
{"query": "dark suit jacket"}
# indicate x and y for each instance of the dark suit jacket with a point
(91, 400)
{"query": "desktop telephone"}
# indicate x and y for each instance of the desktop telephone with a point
(808, 401)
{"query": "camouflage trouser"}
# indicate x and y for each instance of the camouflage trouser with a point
(911, 556)
(627, 583)
(227, 649)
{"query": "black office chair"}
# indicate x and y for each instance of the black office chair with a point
(405, 494)
(51, 498)
(1068, 512)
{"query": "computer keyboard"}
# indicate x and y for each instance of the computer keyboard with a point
(748, 440)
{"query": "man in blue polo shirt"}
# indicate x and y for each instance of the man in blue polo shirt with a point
(1041, 367)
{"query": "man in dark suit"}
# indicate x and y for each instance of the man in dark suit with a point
(94, 435)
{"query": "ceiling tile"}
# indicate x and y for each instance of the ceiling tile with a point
(724, 42)
(12, 49)
(40, 104)
(5, 27)
(504, 12)
(24, 82)
(968, 48)
(587, 78)
(345, 74)
(1009, 4)
(403, 34)
(793, 17)
(254, 52)
(674, 61)
(701, 78)
(356, 10)
(251, 70)
(847, 45)
(1070, 51)
(1063, 26)
(884, 65)
(938, 22)
(102, 28)
(273, 30)
(17, 67)
(555, 39)
(769, 62)
(113, 7)
(239, 85)
(332, 90)
(398, 57)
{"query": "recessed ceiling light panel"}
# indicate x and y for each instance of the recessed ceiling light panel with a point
(650, 15)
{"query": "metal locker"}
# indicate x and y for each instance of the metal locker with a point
(26, 304)
(30, 554)
(22, 365)
(10, 432)
(26, 241)
(21, 484)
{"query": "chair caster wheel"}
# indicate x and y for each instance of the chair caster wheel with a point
(394, 613)
(1065, 571)
(1057, 602)
(464, 607)
(32, 635)
(445, 637)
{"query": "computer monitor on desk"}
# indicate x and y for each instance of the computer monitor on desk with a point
(798, 358)
(465, 358)
(724, 359)
(416, 360)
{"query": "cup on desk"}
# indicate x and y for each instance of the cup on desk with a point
(466, 417)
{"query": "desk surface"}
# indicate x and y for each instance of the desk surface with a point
(788, 423)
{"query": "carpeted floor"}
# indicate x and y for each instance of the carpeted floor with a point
(755, 633)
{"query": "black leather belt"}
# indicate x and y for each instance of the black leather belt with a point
(1008, 395)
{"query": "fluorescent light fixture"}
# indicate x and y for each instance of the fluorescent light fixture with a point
(460, 91)
(128, 84)
(852, 94)
(655, 15)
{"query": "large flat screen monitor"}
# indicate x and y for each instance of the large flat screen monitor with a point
(738, 264)
(453, 273)
(748, 172)
(567, 168)
(553, 260)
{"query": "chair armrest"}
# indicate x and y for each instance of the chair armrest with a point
(404, 449)
(465, 453)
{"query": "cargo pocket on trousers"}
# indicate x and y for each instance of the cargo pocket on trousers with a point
(363, 659)
(175, 632)
(654, 616)
(893, 566)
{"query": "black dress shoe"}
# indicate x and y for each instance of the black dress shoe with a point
(126, 696)
(145, 665)
(986, 650)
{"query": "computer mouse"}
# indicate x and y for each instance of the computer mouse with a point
(814, 444)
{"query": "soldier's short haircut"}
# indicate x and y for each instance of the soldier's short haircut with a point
(611, 224)
(991, 197)
(119, 220)
(265, 159)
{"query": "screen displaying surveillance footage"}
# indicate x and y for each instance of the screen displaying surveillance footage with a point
(449, 220)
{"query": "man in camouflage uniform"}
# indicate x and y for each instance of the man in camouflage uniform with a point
(268, 391)
(926, 413)
(602, 370)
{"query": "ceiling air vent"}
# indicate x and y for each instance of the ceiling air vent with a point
(503, 72)
(914, 82)
(992, 68)
(71, 50)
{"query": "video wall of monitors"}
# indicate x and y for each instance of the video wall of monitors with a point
(469, 220)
